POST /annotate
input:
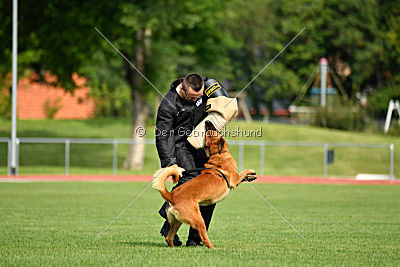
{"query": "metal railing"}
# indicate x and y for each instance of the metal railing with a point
(240, 143)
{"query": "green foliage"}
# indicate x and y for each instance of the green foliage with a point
(165, 42)
(111, 102)
(378, 102)
(108, 85)
(227, 40)
(5, 95)
(343, 117)
(52, 107)
(6, 37)
(56, 36)
(361, 36)
(279, 82)
(395, 127)
(5, 103)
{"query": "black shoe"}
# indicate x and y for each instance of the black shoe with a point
(192, 243)
(177, 241)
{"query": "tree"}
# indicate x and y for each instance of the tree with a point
(166, 43)
(161, 38)
(359, 38)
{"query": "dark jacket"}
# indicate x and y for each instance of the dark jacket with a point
(176, 118)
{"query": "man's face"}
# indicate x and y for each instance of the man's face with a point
(190, 94)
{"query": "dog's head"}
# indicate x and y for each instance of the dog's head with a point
(215, 143)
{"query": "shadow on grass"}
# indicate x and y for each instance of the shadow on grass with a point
(144, 243)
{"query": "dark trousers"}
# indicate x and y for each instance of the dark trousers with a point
(189, 158)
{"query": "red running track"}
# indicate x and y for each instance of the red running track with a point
(148, 178)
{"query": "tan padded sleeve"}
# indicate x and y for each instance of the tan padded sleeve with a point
(221, 111)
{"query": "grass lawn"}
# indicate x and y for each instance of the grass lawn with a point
(97, 159)
(55, 224)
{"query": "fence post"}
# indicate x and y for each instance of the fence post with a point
(326, 160)
(67, 154)
(262, 144)
(9, 157)
(240, 156)
(17, 142)
(115, 157)
(391, 162)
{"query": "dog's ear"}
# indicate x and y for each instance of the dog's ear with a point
(221, 143)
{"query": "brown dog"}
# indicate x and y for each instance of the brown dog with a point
(208, 188)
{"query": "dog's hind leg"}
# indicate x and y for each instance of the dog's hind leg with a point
(201, 228)
(175, 225)
(196, 221)
(172, 232)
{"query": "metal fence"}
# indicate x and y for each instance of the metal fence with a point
(240, 143)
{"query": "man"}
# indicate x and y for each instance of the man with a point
(182, 108)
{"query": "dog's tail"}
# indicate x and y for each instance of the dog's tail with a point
(161, 175)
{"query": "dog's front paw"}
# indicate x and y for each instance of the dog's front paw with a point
(250, 178)
(249, 175)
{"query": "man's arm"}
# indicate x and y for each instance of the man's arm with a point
(165, 136)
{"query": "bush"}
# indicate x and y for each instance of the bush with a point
(378, 101)
(5, 95)
(394, 128)
(51, 108)
(111, 102)
(343, 117)
(5, 103)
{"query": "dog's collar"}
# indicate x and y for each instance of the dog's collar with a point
(201, 169)
(220, 153)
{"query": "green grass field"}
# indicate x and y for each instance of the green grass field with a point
(55, 224)
(97, 159)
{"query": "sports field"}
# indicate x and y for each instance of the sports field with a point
(54, 223)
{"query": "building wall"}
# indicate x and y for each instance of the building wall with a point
(33, 97)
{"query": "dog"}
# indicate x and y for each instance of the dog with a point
(211, 186)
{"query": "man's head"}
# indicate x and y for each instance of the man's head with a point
(192, 87)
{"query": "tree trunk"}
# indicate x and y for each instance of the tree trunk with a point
(140, 110)
(136, 153)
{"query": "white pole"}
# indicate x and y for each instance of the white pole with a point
(324, 70)
(389, 115)
(13, 170)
